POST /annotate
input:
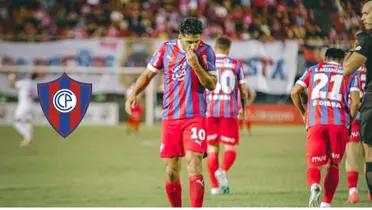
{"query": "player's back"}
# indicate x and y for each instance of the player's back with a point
(360, 77)
(224, 101)
(26, 91)
(328, 92)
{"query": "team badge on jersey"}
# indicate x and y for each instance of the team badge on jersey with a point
(64, 102)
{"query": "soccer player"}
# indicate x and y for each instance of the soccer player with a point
(134, 118)
(327, 118)
(188, 65)
(362, 54)
(245, 119)
(223, 105)
(26, 89)
(354, 148)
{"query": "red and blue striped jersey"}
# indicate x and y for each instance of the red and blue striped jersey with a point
(224, 100)
(360, 76)
(328, 93)
(184, 96)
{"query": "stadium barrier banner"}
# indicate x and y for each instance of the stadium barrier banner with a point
(106, 52)
(274, 114)
(271, 67)
(97, 114)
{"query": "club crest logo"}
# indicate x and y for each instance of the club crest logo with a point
(64, 102)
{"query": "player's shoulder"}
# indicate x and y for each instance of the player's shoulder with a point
(313, 68)
(167, 43)
(205, 46)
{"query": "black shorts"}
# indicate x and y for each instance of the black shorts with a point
(366, 118)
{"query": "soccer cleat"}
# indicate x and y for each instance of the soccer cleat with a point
(25, 142)
(222, 181)
(353, 196)
(325, 205)
(369, 196)
(216, 191)
(314, 195)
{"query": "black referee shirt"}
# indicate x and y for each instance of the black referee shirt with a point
(365, 48)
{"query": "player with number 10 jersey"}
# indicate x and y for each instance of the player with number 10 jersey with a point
(223, 105)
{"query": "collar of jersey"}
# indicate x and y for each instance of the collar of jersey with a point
(221, 55)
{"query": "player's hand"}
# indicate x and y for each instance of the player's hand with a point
(304, 118)
(192, 59)
(241, 114)
(131, 102)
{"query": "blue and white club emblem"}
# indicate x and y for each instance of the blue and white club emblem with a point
(64, 100)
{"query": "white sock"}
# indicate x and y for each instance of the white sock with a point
(325, 205)
(352, 190)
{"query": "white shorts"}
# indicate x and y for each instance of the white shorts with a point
(23, 112)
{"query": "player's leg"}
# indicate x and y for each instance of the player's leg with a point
(316, 156)
(170, 151)
(213, 148)
(196, 180)
(366, 134)
(368, 168)
(173, 184)
(353, 164)
(195, 144)
(338, 137)
(212, 163)
(229, 136)
(23, 123)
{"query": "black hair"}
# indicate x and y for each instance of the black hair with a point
(33, 76)
(335, 53)
(223, 43)
(192, 26)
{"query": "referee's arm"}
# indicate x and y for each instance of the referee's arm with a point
(353, 60)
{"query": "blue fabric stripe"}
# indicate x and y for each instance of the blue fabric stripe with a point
(84, 96)
(64, 118)
(188, 89)
(312, 108)
(324, 109)
(176, 93)
(44, 98)
(337, 114)
(201, 91)
(167, 80)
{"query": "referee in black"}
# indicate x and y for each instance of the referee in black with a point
(362, 54)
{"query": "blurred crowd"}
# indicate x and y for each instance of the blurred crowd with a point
(43, 20)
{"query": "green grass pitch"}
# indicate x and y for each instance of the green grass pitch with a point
(104, 166)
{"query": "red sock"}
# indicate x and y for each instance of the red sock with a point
(196, 191)
(352, 179)
(330, 183)
(174, 192)
(313, 176)
(212, 159)
(228, 159)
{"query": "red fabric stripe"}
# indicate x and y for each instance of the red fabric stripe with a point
(343, 92)
(222, 102)
(172, 64)
(75, 114)
(53, 113)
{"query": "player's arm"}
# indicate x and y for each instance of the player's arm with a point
(251, 96)
(243, 96)
(358, 55)
(296, 98)
(208, 81)
(12, 80)
(143, 80)
(352, 62)
(355, 103)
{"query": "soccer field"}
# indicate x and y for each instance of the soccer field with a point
(104, 166)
